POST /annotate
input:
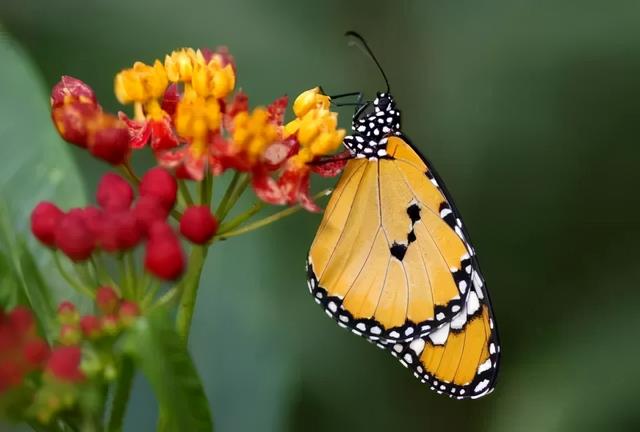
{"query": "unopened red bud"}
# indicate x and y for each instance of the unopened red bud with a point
(114, 193)
(120, 232)
(107, 300)
(11, 374)
(109, 140)
(21, 321)
(157, 182)
(93, 218)
(148, 210)
(64, 364)
(110, 324)
(91, 326)
(128, 312)
(73, 236)
(72, 121)
(36, 352)
(70, 89)
(44, 220)
(69, 335)
(198, 224)
(163, 255)
(67, 313)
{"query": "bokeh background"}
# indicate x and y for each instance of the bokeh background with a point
(530, 110)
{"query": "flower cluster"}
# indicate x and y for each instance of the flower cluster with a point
(186, 111)
(114, 314)
(22, 350)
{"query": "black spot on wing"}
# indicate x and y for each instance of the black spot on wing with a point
(414, 213)
(398, 250)
(411, 237)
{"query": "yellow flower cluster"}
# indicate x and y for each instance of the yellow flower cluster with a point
(204, 83)
(316, 126)
(253, 133)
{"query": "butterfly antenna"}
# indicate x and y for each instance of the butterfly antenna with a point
(363, 46)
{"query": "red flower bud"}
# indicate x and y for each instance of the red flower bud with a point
(93, 217)
(107, 300)
(36, 352)
(157, 182)
(64, 363)
(149, 210)
(67, 313)
(21, 321)
(44, 220)
(73, 236)
(110, 324)
(163, 255)
(69, 335)
(109, 140)
(114, 193)
(119, 232)
(71, 121)
(11, 374)
(70, 89)
(198, 224)
(128, 312)
(91, 326)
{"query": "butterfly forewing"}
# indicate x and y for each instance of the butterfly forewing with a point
(390, 260)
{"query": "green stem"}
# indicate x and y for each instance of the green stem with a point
(81, 288)
(184, 193)
(227, 194)
(128, 172)
(242, 217)
(267, 220)
(121, 397)
(206, 189)
(189, 288)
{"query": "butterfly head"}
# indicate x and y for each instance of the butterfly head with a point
(372, 124)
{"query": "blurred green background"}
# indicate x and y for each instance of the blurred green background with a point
(530, 110)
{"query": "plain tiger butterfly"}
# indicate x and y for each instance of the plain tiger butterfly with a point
(392, 260)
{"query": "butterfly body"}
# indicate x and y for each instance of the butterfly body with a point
(392, 261)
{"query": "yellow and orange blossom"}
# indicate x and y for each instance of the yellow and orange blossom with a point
(315, 125)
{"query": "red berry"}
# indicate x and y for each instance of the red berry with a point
(198, 224)
(91, 326)
(149, 210)
(114, 193)
(44, 220)
(64, 363)
(73, 236)
(11, 374)
(157, 182)
(163, 255)
(36, 352)
(107, 300)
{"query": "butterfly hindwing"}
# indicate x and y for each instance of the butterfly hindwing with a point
(461, 358)
(390, 260)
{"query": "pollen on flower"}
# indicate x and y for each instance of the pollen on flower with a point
(196, 117)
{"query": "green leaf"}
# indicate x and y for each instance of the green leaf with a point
(162, 356)
(35, 165)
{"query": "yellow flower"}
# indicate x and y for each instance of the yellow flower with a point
(180, 63)
(213, 79)
(316, 127)
(141, 83)
(253, 133)
(308, 100)
(195, 118)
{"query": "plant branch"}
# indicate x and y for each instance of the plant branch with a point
(189, 287)
(121, 397)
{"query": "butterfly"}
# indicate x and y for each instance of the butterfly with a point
(392, 260)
